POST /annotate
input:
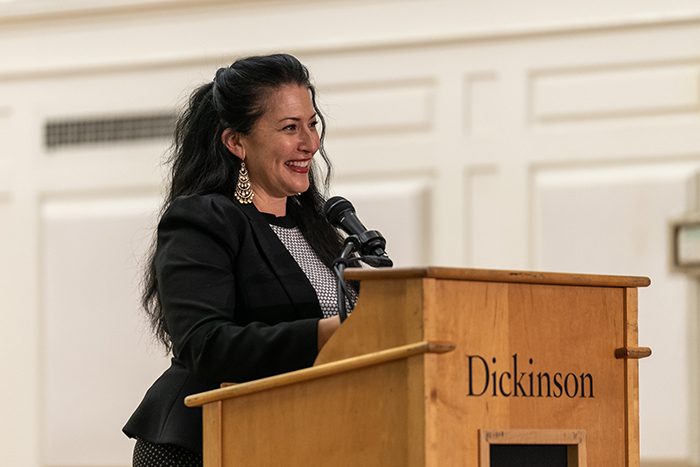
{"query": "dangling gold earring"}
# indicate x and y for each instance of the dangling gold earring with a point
(244, 193)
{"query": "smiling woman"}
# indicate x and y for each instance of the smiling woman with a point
(238, 285)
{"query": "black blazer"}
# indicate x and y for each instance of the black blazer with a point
(237, 308)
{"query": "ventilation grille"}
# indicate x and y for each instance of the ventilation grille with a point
(64, 133)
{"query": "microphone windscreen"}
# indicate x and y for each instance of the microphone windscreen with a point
(335, 207)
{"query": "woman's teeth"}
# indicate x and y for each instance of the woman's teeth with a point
(298, 163)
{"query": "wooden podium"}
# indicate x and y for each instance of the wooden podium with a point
(446, 367)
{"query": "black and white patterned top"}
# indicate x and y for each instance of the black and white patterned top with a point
(320, 276)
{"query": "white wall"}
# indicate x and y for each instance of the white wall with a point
(540, 135)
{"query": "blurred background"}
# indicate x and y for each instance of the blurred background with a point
(539, 135)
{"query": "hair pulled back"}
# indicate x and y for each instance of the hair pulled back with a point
(201, 164)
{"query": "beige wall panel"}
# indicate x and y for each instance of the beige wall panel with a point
(6, 162)
(617, 55)
(20, 331)
(20, 337)
(5, 181)
(5, 241)
(5, 113)
(616, 93)
(612, 220)
(482, 114)
(106, 166)
(98, 356)
(382, 157)
(9, 390)
(487, 220)
(399, 209)
(392, 107)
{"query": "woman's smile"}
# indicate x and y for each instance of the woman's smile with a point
(299, 166)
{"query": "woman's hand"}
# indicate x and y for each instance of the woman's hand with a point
(326, 328)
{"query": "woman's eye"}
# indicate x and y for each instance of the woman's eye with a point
(313, 124)
(291, 127)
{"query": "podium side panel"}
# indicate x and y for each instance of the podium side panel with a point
(211, 416)
(369, 417)
(389, 313)
(530, 356)
(631, 380)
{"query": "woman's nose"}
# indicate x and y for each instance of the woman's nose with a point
(310, 140)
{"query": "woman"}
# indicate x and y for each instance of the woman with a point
(238, 285)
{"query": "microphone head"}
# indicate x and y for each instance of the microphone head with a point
(334, 209)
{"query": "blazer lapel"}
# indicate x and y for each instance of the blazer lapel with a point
(299, 290)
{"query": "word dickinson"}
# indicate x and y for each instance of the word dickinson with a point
(484, 379)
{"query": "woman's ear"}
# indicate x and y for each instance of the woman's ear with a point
(232, 141)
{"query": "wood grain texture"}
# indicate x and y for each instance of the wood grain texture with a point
(321, 371)
(389, 313)
(496, 275)
(569, 330)
(212, 434)
(631, 380)
(367, 417)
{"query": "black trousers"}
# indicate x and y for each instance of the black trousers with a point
(164, 455)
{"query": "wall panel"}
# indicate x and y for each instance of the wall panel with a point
(5, 113)
(487, 223)
(639, 90)
(97, 358)
(482, 114)
(392, 107)
(8, 366)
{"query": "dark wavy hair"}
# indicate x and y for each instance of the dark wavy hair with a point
(201, 164)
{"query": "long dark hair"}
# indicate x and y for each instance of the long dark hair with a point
(201, 164)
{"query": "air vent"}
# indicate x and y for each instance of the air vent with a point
(81, 132)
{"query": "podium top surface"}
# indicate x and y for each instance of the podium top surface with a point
(497, 275)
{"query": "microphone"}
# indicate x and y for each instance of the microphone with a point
(341, 213)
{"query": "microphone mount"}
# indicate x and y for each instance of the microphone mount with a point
(370, 245)
(354, 243)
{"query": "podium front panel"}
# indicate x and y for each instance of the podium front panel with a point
(370, 417)
(529, 356)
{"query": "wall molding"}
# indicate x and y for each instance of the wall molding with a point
(661, 463)
(17, 11)
(47, 10)
(403, 40)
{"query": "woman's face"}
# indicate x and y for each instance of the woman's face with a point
(278, 151)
